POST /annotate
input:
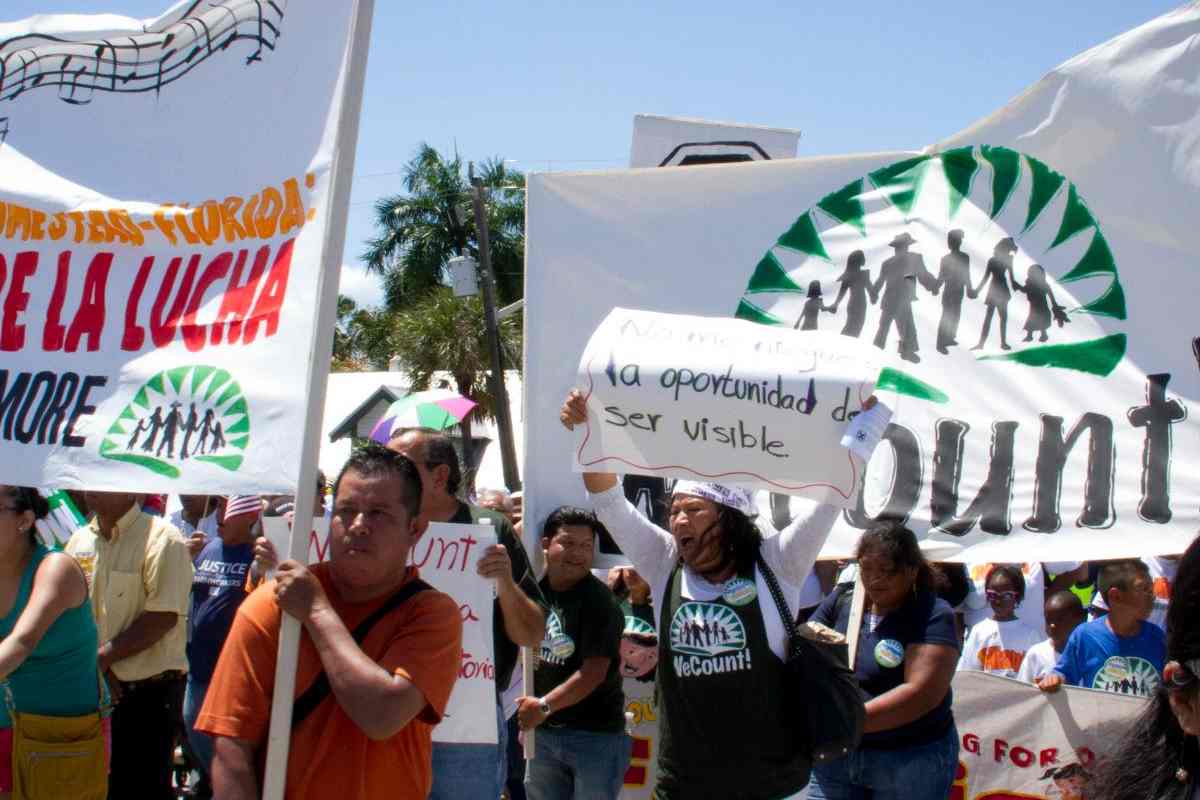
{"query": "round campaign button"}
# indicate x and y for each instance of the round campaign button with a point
(562, 646)
(889, 653)
(739, 591)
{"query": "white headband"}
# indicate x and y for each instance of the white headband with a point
(733, 497)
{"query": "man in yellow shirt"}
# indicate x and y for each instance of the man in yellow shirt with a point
(140, 578)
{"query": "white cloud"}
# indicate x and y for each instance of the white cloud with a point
(362, 287)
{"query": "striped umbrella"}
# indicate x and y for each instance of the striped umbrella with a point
(436, 409)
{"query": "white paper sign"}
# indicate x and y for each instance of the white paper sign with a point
(446, 556)
(724, 400)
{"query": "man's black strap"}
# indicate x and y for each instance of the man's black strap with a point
(316, 693)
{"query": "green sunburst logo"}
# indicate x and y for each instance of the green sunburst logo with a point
(706, 629)
(981, 243)
(192, 413)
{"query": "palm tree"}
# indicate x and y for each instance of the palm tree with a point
(420, 230)
(361, 337)
(446, 334)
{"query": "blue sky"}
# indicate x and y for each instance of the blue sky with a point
(555, 85)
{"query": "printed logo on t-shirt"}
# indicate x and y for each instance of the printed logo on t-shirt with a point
(1127, 675)
(557, 647)
(708, 639)
(997, 659)
(889, 653)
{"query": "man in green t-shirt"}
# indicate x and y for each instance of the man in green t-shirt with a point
(581, 750)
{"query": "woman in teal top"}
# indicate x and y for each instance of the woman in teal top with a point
(48, 638)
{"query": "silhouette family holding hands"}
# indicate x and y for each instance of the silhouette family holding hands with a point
(210, 437)
(895, 291)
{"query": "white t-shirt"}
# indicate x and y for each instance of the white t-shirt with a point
(997, 648)
(975, 608)
(1162, 572)
(790, 554)
(1039, 661)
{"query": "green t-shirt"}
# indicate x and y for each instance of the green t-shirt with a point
(585, 622)
(522, 573)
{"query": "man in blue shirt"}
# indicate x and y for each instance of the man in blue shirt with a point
(1121, 652)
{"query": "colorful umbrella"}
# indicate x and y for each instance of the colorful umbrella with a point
(437, 409)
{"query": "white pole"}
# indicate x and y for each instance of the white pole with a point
(334, 240)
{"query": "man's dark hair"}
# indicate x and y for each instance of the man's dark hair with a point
(570, 515)
(435, 449)
(374, 461)
(1014, 575)
(1120, 575)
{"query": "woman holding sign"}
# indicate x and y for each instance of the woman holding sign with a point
(907, 652)
(722, 728)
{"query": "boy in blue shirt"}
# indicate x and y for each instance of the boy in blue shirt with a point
(1121, 652)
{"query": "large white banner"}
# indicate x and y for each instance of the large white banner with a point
(446, 556)
(1018, 743)
(164, 192)
(1036, 273)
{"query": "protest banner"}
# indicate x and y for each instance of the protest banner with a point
(677, 141)
(1037, 277)
(1017, 742)
(446, 556)
(727, 400)
(165, 200)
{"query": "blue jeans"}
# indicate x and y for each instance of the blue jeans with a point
(925, 772)
(577, 765)
(202, 743)
(471, 771)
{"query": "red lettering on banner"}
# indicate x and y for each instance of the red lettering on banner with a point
(89, 319)
(321, 548)
(1048, 756)
(193, 334)
(12, 333)
(162, 331)
(970, 743)
(467, 613)
(446, 547)
(999, 749)
(55, 333)
(271, 300)
(135, 335)
(1086, 756)
(239, 296)
(1021, 757)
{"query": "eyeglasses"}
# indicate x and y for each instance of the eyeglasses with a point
(1185, 677)
(996, 597)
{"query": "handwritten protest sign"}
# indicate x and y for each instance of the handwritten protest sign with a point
(723, 399)
(446, 556)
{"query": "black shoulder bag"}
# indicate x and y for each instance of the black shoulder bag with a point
(823, 698)
(319, 689)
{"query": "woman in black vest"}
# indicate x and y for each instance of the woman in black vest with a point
(907, 651)
(722, 727)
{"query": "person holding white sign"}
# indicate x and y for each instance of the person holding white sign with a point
(471, 771)
(579, 708)
(380, 651)
(723, 731)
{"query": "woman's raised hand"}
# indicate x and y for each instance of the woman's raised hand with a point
(574, 410)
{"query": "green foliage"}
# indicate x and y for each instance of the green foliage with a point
(362, 338)
(433, 221)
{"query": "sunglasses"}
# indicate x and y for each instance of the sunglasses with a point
(1185, 677)
(996, 597)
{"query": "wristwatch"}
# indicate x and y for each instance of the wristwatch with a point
(544, 706)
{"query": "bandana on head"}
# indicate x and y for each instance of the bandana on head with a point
(241, 504)
(730, 496)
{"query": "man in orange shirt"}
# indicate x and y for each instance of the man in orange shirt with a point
(368, 736)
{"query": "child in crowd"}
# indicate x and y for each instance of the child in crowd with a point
(1121, 652)
(998, 645)
(1064, 613)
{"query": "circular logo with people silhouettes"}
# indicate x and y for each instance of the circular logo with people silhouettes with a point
(192, 413)
(976, 254)
(706, 629)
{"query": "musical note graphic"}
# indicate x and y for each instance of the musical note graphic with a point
(146, 62)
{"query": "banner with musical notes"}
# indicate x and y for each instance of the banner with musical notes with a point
(164, 186)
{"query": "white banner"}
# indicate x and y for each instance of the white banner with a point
(164, 191)
(1036, 275)
(1018, 743)
(726, 400)
(446, 556)
(676, 141)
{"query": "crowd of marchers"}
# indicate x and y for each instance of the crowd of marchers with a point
(166, 628)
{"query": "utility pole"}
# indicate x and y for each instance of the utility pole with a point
(508, 450)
